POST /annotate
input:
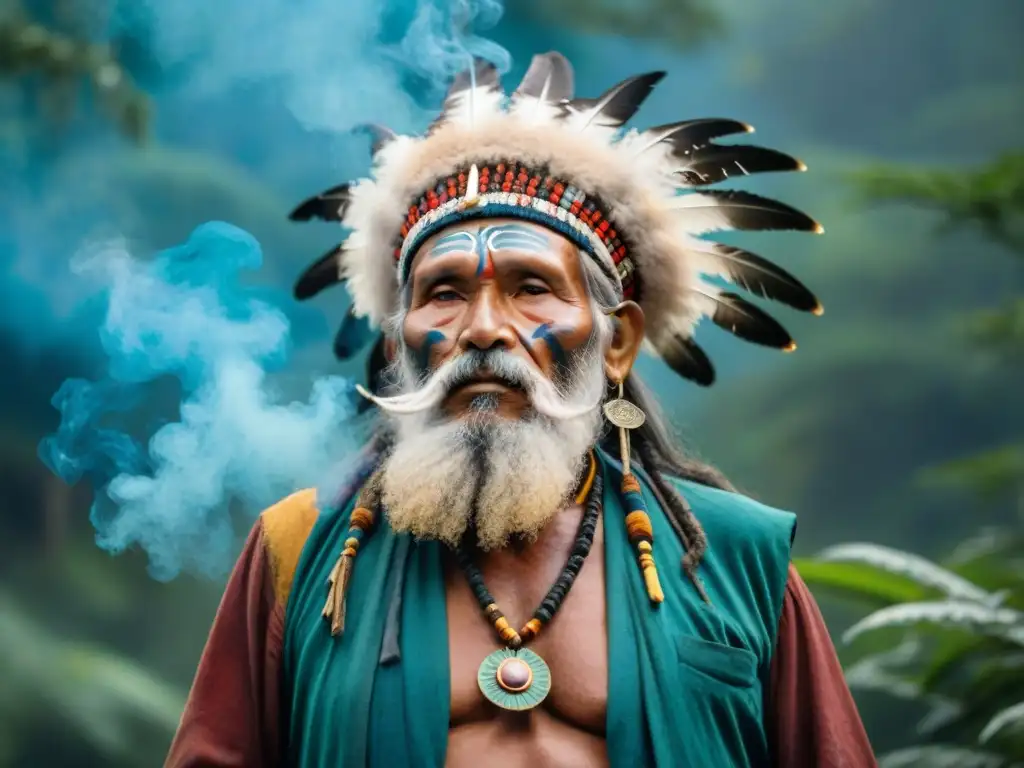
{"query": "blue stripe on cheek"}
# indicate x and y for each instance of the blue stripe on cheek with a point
(423, 353)
(546, 333)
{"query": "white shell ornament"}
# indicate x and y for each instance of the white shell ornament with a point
(624, 414)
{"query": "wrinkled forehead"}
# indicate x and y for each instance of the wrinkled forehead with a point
(479, 237)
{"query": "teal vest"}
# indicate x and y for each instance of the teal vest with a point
(689, 678)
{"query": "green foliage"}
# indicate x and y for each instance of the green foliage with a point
(958, 627)
(959, 644)
(990, 198)
(109, 705)
(61, 63)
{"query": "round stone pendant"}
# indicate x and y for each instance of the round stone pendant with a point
(515, 680)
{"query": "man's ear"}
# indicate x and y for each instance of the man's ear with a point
(626, 342)
(390, 348)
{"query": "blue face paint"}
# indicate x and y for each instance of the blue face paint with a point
(423, 353)
(495, 238)
(454, 243)
(517, 237)
(547, 334)
(482, 253)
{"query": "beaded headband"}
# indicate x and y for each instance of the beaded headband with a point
(511, 189)
(633, 201)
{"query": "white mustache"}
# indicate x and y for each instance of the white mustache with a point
(543, 394)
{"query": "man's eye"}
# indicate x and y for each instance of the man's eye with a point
(533, 289)
(444, 295)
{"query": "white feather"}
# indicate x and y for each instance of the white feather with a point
(914, 567)
(474, 105)
(698, 214)
(534, 111)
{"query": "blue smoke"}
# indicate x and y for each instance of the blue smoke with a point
(194, 425)
(187, 315)
(334, 63)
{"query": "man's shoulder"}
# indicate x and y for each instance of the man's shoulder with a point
(734, 516)
(286, 526)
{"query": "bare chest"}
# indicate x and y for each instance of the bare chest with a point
(574, 643)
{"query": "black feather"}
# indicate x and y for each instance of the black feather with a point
(741, 318)
(757, 275)
(688, 134)
(354, 334)
(616, 105)
(328, 206)
(380, 136)
(323, 273)
(686, 358)
(713, 163)
(745, 211)
(550, 76)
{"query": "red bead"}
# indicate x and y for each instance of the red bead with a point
(603, 226)
(559, 189)
(574, 209)
(506, 187)
(595, 217)
(553, 198)
(433, 203)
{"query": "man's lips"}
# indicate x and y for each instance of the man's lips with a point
(485, 385)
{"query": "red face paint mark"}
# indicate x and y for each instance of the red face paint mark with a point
(487, 273)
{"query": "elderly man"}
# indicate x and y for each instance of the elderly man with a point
(524, 569)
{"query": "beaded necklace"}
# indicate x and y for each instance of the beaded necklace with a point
(514, 677)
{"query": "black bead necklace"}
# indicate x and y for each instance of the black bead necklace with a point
(515, 677)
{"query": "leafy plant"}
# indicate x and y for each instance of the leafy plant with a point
(950, 635)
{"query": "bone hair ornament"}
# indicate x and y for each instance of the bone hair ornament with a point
(634, 201)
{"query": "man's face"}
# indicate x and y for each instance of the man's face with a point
(500, 286)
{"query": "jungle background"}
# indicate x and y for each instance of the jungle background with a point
(896, 428)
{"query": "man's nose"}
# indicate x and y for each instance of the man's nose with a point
(487, 325)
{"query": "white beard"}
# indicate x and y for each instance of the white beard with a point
(504, 477)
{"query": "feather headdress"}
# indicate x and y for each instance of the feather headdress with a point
(634, 201)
